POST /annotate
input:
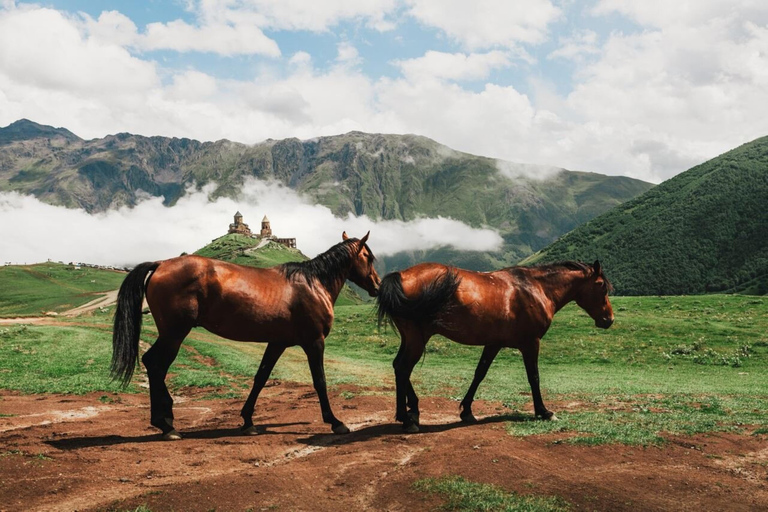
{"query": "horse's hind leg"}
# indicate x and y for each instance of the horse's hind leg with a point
(271, 355)
(411, 398)
(314, 353)
(489, 354)
(531, 360)
(157, 360)
(411, 348)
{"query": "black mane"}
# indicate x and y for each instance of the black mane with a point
(325, 267)
(572, 265)
(565, 265)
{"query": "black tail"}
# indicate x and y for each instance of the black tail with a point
(125, 336)
(427, 307)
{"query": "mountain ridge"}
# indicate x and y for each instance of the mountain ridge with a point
(383, 176)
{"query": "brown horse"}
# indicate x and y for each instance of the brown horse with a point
(512, 307)
(283, 306)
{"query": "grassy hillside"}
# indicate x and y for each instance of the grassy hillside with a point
(705, 230)
(32, 290)
(243, 250)
(399, 177)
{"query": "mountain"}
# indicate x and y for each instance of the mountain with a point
(251, 252)
(705, 230)
(399, 177)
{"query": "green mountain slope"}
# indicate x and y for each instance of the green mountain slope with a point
(31, 290)
(705, 230)
(401, 177)
(245, 250)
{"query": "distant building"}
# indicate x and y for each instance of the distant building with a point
(241, 228)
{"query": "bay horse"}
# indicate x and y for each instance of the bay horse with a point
(512, 307)
(283, 306)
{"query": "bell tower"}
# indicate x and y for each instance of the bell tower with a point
(266, 230)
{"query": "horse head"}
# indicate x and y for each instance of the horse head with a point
(592, 297)
(363, 274)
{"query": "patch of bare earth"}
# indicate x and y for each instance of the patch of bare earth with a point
(79, 453)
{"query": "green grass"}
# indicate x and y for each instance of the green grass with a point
(466, 496)
(668, 366)
(32, 290)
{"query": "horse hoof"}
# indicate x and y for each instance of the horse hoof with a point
(173, 435)
(553, 417)
(250, 431)
(340, 429)
(414, 417)
(468, 418)
(411, 429)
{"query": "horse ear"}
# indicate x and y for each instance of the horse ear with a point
(597, 267)
(362, 242)
(344, 235)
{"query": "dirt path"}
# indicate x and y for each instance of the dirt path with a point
(105, 300)
(96, 452)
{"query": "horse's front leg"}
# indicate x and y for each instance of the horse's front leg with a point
(489, 354)
(314, 351)
(531, 360)
(271, 355)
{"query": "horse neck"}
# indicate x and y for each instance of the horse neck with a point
(335, 275)
(562, 287)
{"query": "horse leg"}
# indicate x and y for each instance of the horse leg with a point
(531, 360)
(314, 353)
(411, 399)
(489, 354)
(271, 355)
(157, 360)
(412, 348)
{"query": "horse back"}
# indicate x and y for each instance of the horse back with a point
(234, 301)
(487, 307)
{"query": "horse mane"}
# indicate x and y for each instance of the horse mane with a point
(325, 267)
(564, 265)
(567, 265)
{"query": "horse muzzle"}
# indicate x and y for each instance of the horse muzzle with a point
(604, 323)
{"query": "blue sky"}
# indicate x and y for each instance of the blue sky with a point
(642, 89)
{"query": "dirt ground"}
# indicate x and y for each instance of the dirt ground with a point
(99, 453)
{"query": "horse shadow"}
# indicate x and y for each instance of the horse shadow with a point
(325, 439)
(396, 430)
(75, 443)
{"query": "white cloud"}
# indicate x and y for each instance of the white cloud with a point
(151, 231)
(41, 48)
(582, 42)
(224, 39)
(308, 15)
(488, 23)
(347, 54)
(453, 66)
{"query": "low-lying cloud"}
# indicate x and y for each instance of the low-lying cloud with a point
(33, 231)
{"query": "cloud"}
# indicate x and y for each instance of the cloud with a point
(42, 48)
(488, 23)
(577, 45)
(453, 66)
(151, 231)
(515, 171)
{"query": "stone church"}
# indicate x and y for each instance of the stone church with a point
(241, 228)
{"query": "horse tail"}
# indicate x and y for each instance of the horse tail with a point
(125, 336)
(433, 300)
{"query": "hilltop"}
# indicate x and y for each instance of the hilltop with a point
(705, 230)
(392, 177)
